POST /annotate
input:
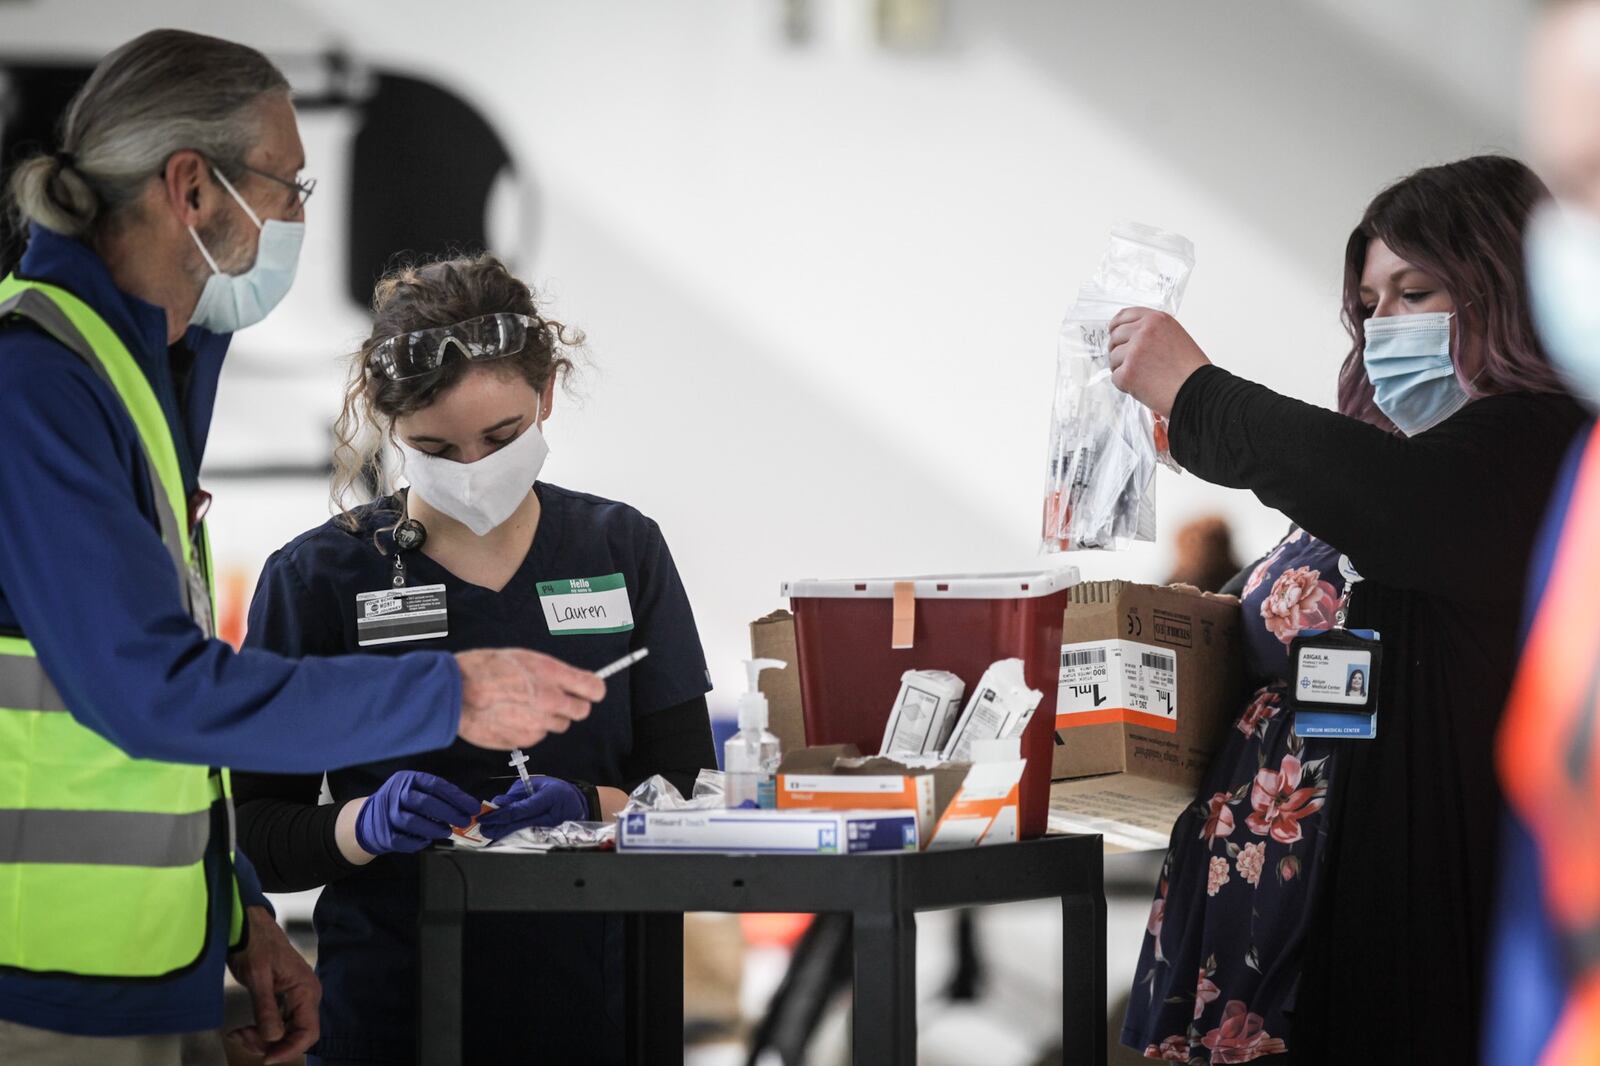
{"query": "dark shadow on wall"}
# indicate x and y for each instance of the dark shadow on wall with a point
(425, 161)
(1262, 104)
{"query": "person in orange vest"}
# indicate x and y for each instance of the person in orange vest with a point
(1544, 995)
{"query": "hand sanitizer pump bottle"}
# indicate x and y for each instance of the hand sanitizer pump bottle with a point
(750, 756)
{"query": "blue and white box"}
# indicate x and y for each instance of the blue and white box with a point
(793, 832)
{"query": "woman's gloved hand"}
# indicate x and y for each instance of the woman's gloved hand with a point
(552, 802)
(411, 811)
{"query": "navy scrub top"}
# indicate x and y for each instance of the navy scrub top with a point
(549, 986)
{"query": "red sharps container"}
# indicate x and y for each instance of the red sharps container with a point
(855, 639)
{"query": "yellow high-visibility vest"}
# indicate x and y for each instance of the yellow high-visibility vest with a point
(102, 856)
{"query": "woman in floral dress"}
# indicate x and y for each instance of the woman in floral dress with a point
(1216, 977)
(1328, 901)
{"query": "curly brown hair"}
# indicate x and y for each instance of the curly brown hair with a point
(423, 296)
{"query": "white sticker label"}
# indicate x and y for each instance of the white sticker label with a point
(1334, 675)
(1123, 674)
(586, 605)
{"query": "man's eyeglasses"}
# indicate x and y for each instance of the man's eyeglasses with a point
(302, 189)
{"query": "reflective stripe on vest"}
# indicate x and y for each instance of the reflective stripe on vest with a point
(102, 856)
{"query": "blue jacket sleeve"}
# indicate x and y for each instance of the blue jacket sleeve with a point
(84, 574)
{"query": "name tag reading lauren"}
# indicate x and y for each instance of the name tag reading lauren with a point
(586, 605)
(389, 616)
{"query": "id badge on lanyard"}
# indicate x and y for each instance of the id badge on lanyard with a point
(1334, 675)
(401, 613)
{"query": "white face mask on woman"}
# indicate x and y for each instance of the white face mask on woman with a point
(482, 494)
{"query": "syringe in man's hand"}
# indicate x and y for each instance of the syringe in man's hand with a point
(519, 758)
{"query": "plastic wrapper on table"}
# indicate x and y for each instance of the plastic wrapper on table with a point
(655, 793)
(708, 787)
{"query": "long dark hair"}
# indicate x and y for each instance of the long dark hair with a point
(421, 296)
(1463, 223)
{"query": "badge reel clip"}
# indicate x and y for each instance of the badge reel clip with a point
(1334, 675)
(402, 613)
(409, 535)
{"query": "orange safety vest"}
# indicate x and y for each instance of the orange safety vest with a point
(1549, 757)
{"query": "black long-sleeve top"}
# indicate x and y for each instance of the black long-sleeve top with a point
(597, 583)
(1441, 526)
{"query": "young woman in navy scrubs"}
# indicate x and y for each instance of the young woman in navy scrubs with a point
(460, 373)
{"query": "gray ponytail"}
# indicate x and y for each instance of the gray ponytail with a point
(160, 93)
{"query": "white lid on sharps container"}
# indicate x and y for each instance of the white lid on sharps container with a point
(753, 704)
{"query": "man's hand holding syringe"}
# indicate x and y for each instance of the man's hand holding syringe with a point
(510, 699)
(514, 698)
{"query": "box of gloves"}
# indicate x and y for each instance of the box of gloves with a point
(956, 804)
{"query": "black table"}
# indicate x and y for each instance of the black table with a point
(882, 893)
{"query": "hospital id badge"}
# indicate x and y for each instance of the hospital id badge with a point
(1334, 683)
(389, 616)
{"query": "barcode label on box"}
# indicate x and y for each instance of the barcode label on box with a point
(1117, 681)
(1153, 687)
(1085, 665)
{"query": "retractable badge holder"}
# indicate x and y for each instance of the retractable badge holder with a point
(402, 612)
(1334, 675)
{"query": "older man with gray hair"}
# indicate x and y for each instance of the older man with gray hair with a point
(169, 217)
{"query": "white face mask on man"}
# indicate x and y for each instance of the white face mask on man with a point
(482, 494)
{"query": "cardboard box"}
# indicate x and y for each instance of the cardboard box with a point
(1132, 813)
(768, 832)
(1151, 678)
(957, 804)
(984, 810)
(772, 637)
(834, 777)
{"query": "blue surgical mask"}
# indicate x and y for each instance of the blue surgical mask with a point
(1413, 378)
(1564, 283)
(230, 302)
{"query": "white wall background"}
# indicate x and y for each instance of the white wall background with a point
(822, 282)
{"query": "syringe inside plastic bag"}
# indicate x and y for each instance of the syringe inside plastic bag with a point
(1105, 445)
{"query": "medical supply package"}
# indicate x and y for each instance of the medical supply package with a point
(1151, 678)
(781, 832)
(1104, 445)
(1001, 706)
(984, 809)
(924, 713)
(957, 804)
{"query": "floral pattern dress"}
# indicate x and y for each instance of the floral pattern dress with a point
(1220, 963)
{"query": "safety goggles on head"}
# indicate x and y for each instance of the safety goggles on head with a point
(422, 351)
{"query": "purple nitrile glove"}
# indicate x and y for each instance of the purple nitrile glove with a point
(553, 801)
(410, 811)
